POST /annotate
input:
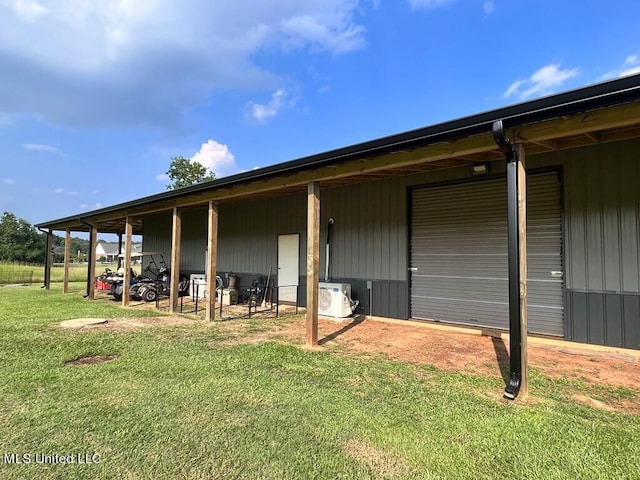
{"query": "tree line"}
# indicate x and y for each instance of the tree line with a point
(22, 242)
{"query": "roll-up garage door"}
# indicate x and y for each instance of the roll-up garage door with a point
(459, 254)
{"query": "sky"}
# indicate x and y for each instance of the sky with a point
(97, 96)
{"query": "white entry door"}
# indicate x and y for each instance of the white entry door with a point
(288, 267)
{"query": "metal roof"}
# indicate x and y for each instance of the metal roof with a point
(593, 97)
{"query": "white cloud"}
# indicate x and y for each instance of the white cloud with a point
(27, 10)
(86, 206)
(8, 181)
(488, 7)
(143, 62)
(543, 81)
(41, 148)
(428, 4)
(631, 66)
(217, 158)
(314, 31)
(64, 191)
(262, 112)
(162, 177)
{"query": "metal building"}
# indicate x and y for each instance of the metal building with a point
(420, 219)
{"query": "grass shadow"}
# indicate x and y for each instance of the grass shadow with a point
(332, 336)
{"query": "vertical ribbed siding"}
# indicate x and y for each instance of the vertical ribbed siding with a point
(369, 233)
(603, 217)
(459, 246)
(157, 238)
(248, 233)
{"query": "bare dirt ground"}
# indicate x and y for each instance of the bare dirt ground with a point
(447, 350)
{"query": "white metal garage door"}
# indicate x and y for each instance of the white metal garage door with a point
(459, 254)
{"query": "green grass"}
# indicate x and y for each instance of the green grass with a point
(18, 273)
(183, 402)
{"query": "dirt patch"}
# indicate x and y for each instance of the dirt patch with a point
(466, 353)
(122, 324)
(379, 462)
(592, 402)
(90, 360)
(82, 322)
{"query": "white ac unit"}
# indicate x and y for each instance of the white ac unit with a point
(334, 300)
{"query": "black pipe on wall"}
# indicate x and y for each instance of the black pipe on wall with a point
(513, 241)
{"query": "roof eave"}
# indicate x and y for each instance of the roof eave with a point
(592, 97)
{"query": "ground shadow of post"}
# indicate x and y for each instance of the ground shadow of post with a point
(502, 356)
(332, 336)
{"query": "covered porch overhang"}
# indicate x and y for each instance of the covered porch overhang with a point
(461, 144)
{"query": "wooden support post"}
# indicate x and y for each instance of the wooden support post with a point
(67, 260)
(48, 261)
(313, 261)
(91, 260)
(176, 236)
(212, 256)
(522, 234)
(126, 282)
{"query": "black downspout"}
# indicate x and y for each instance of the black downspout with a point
(328, 248)
(47, 259)
(515, 333)
(119, 258)
(92, 248)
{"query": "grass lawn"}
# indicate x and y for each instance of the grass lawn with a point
(15, 273)
(187, 401)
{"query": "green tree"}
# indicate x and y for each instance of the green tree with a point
(19, 240)
(183, 172)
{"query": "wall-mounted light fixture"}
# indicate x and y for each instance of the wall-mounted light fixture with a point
(480, 169)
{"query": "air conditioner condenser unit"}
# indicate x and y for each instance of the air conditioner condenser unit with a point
(334, 300)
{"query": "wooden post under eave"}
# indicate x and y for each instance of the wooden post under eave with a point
(48, 261)
(176, 236)
(522, 233)
(126, 282)
(91, 259)
(212, 258)
(67, 260)
(313, 261)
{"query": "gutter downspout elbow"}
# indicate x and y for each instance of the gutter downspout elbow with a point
(504, 143)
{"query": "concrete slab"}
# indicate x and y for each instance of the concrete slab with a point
(82, 322)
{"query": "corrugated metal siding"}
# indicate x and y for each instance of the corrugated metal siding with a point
(459, 246)
(603, 207)
(194, 240)
(603, 243)
(604, 318)
(370, 232)
(248, 233)
(157, 238)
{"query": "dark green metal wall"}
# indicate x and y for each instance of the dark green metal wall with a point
(601, 216)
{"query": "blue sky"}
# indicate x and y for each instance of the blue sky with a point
(97, 96)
